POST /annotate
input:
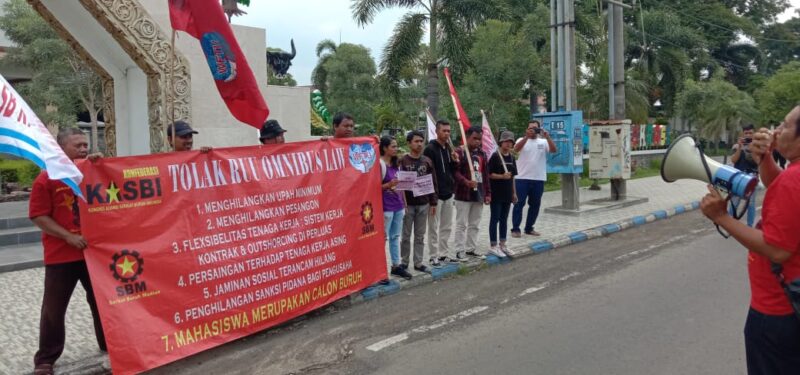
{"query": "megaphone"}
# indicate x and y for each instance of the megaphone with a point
(684, 160)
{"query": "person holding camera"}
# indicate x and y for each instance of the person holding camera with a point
(531, 176)
(772, 330)
(743, 160)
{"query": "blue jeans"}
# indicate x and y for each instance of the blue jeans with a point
(499, 216)
(393, 223)
(751, 208)
(531, 191)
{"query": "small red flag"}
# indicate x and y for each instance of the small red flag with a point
(460, 114)
(205, 20)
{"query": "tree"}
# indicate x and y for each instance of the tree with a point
(450, 23)
(319, 76)
(60, 82)
(350, 84)
(780, 93)
(503, 62)
(715, 106)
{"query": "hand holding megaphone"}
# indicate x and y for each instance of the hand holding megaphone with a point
(714, 205)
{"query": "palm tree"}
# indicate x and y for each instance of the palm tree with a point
(715, 106)
(450, 23)
(326, 49)
(668, 52)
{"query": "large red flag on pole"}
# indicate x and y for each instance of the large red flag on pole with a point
(463, 120)
(204, 20)
(461, 115)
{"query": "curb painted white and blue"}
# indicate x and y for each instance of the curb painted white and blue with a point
(538, 247)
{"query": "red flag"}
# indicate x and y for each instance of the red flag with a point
(460, 114)
(204, 20)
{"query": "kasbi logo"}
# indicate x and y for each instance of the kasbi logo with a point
(139, 187)
(126, 266)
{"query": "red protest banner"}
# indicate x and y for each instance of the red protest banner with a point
(190, 250)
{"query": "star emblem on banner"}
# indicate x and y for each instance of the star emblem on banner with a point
(113, 193)
(126, 265)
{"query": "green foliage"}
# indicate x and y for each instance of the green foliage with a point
(715, 106)
(449, 25)
(503, 63)
(780, 93)
(19, 171)
(54, 91)
(350, 82)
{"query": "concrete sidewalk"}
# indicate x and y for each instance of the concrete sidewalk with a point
(22, 290)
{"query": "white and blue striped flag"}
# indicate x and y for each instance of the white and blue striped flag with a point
(23, 134)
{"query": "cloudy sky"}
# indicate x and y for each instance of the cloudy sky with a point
(310, 21)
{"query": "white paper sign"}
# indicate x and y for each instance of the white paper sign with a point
(423, 185)
(405, 180)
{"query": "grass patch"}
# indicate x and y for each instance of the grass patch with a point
(553, 182)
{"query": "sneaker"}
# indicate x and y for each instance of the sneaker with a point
(435, 262)
(533, 233)
(400, 271)
(403, 266)
(515, 234)
(506, 250)
(462, 256)
(494, 250)
(422, 268)
(476, 255)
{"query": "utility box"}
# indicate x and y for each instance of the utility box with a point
(565, 130)
(610, 149)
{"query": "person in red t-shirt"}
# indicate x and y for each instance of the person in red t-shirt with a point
(772, 331)
(54, 209)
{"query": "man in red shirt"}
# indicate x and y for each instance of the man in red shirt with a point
(772, 331)
(54, 209)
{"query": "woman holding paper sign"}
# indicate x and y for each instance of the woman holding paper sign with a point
(393, 204)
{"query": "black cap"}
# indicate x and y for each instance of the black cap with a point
(271, 129)
(182, 129)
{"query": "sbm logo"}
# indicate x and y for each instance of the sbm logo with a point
(129, 191)
(126, 266)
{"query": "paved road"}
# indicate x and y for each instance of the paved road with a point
(666, 298)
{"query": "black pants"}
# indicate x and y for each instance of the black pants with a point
(59, 282)
(498, 217)
(772, 343)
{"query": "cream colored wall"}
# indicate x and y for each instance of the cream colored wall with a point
(217, 127)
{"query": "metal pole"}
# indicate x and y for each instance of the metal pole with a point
(619, 65)
(619, 188)
(561, 49)
(574, 60)
(611, 59)
(552, 100)
(568, 72)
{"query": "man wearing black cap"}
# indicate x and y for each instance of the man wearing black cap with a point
(184, 137)
(272, 133)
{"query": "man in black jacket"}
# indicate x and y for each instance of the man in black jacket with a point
(445, 161)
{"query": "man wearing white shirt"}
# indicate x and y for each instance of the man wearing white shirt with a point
(531, 176)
